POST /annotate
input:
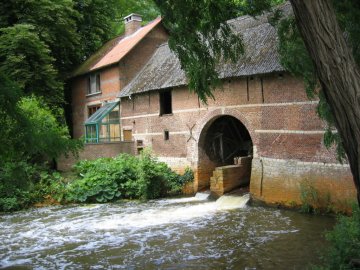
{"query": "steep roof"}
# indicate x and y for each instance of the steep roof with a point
(260, 39)
(114, 50)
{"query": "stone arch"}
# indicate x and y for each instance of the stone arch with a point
(204, 164)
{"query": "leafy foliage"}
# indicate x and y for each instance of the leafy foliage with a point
(41, 41)
(200, 36)
(96, 25)
(125, 176)
(345, 242)
(23, 184)
(146, 8)
(45, 135)
(200, 44)
(296, 60)
(26, 59)
(30, 136)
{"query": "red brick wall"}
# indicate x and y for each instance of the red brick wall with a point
(113, 78)
(94, 151)
(110, 86)
(281, 120)
(137, 58)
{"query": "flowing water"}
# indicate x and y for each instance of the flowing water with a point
(185, 233)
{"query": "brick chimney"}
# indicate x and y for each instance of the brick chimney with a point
(132, 23)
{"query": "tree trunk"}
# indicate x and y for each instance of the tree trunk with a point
(337, 71)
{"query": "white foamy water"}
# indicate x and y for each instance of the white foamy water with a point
(203, 195)
(228, 202)
(180, 233)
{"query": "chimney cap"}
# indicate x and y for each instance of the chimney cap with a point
(133, 17)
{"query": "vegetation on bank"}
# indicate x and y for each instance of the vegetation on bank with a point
(98, 181)
(344, 250)
(41, 42)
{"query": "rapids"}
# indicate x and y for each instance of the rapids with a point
(182, 233)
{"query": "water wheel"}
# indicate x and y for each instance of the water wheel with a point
(227, 138)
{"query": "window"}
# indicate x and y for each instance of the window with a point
(165, 102)
(139, 146)
(93, 109)
(166, 135)
(104, 124)
(127, 134)
(94, 84)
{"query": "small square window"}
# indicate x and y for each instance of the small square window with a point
(165, 102)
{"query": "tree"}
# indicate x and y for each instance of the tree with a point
(337, 71)
(26, 59)
(146, 8)
(331, 60)
(96, 25)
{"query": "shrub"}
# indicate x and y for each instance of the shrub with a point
(345, 242)
(125, 176)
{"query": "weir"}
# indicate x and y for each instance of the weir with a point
(234, 200)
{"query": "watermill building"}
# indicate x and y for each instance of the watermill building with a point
(259, 130)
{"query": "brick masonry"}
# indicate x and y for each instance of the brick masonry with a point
(113, 78)
(281, 121)
(94, 151)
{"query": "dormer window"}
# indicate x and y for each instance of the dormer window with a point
(94, 85)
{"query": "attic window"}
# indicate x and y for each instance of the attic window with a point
(165, 102)
(94, 85)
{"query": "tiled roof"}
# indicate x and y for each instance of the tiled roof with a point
(113, 51)
(261, 56)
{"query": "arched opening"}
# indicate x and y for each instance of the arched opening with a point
(225, 145)
(226, 139)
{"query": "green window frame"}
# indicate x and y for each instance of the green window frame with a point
(104, 124)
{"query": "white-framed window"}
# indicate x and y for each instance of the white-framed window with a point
(94, 85)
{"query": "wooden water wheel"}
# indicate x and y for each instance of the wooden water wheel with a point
(227, 138)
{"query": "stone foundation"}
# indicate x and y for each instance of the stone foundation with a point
(288, 182)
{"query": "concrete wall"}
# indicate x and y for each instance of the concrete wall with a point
(94, 151)
(279, 181)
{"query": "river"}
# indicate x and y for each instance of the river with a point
(184, 233)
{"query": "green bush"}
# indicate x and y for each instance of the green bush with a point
(125, 176)
(345, 242)
(101, 180)
(32, 136)
(23, 184)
